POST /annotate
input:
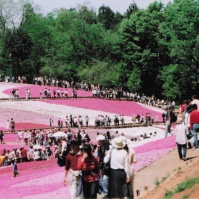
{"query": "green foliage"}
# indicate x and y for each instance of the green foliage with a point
(188, 183)
(131, 9)
(168, 194)
(154, 51)
(101, 73)
(157, 183)
(169, 76)
(184, 196)
(134, 81)
(106, 17)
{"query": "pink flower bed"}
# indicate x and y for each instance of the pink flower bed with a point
(36, 88)
(32, 171)
(165, 143)
(127, 108)
(45, 179)
(24, 119)
(144, 159)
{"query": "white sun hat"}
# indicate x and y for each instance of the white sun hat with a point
(118, 142)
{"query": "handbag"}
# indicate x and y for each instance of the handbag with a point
(107, 166)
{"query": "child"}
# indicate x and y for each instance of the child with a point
(15, 170)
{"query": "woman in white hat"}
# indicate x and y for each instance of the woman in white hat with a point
(120, 168)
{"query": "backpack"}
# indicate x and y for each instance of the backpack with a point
(173, 117)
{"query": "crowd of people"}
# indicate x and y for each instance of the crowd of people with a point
(25, 154)
(103, 168)
(97, 91)
(187, 127)
(106, 166)
(103, 121)
(83, 159)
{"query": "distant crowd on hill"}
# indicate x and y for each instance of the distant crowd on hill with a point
(97, 91)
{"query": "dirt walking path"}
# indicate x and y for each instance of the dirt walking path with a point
(168, 172)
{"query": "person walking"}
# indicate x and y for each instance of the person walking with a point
(20, 137)
(72, 160)
(181, 140)
(15, 168)
(89, 166)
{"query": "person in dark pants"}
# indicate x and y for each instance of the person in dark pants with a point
(71, 121)
(89, 166)
(12, 123)
(15, 169)
(2, 137)
(181, 140)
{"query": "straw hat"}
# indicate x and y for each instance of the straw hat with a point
(118, 142)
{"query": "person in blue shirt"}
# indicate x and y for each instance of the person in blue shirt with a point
(15, 169)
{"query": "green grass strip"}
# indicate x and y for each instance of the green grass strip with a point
(181, 187)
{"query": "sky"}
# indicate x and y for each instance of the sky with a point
(116, 5)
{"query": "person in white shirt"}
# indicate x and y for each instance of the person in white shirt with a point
(26, 137)
(195, 101)
(20, 137)
(120, 168)
(181, 140)
(37, 155)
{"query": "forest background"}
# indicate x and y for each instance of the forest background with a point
(154, 51)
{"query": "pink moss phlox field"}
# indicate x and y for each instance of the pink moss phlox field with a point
(152, 151)
(146, 158)
(164, 143)
(24, 119)
(33, 171)
(44, 179)
(127, 108)
(36, 88)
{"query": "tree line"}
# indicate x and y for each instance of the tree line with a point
(154, 51)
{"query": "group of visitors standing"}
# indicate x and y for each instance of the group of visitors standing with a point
(10, 125)
(187, 131)
(104, 169)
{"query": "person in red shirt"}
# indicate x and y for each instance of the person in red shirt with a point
(24, 157)
(194, 124)
(72, 159)
(90, 172)
(183, 106)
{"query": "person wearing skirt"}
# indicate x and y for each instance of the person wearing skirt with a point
(120, 169)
